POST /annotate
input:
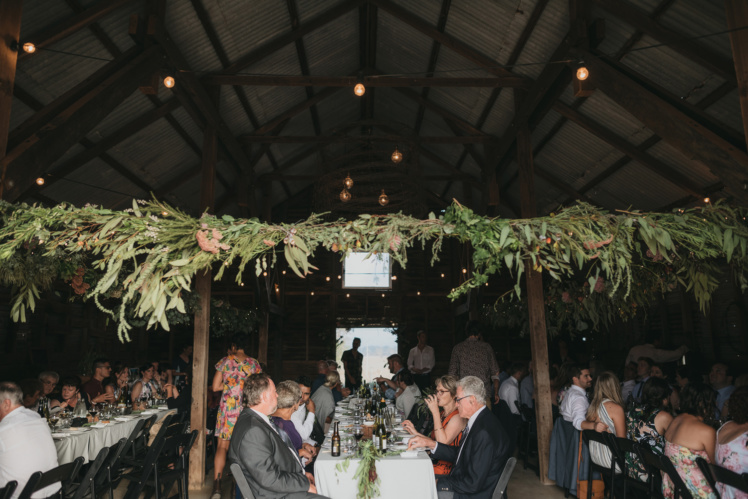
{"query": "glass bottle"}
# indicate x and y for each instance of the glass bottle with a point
(336, 441)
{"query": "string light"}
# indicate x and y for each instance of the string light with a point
(418, 293)
(327, 278)
(382, 295)
(169, 82)
(397, 156)
(359, 89)
(394, 278)
(164, 213)
(442, 276)
(312, 293)
(464, 271)
(40, 181)
(348, 182)
(706, 200)
(283, 272)
(347, 295)
(29, 48)
(383, 199)
(264, 274)
(345, 196)
(241, 284)
(582, 73)
(339, 277)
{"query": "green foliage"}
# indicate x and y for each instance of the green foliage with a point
(143, 259)
(366, 472)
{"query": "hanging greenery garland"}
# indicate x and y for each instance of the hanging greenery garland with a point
(144, 258)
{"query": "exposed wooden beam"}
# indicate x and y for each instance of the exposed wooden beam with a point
(61, 29)
(634, 38)
(295, 110)
(725, 161)
(737, 17)
(686, 200)
(75, 122)
(10, 30)
(447, 115)
(400, 139)
(690, 49)
(441, 24)
(368, 81)
(452, 43)
(668, 172)
(279, 177)
(561, 185)
(278, 43)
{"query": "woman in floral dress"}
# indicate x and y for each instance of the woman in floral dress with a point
(732, 440)
(229, 379)
(646, 423)
(688, 437)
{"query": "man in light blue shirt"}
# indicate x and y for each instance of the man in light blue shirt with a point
(721, 380)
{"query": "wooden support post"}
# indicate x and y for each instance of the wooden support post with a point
(10, 31)
(536, 311)
(203, 280)
(737, 17)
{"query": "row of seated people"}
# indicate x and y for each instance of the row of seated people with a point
(691, 432)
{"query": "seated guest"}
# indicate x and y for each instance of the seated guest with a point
(448, 430)
(688, 437)
(732, 442)
(409, 392)
(629, 381)
(303, 418)
(643, 372)
(656, 372)
(684, 374)
(322, 370)
(395, 363)
(180, 398)
(270, 466)
(94, 387)
(574, 406)
(144, 388)
(25, 442)
(289, 398)
(118, 382)
(323, 399)
(340, 391)
(721, 380)
(70, 394)
(607, 408)
(647, 422)
(482, 453)
(32, 391)
(49, 380)
(509, 389)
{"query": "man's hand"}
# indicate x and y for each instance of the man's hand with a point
(421, 441)
(345, 391)
(496, 398)
(312, 488)
(310, 405)
(310, 448)
(304, 453)
(104, 397)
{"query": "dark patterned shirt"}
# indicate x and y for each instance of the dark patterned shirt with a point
(474, 357)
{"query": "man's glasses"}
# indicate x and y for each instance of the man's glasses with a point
(458, 399)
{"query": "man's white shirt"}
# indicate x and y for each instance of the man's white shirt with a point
(574, 406)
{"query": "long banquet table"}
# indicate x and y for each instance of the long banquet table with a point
(400, 477)
(88, 442)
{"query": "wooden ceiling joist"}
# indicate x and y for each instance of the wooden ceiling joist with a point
(61, 29)
(326, 139)
(293, 111)
(76, 121)
(368, 81)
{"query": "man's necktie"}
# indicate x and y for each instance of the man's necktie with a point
(462, 442)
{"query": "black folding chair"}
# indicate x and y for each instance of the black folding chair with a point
(140, 447)
(87, 484)
(173, 464)
(528, 438)
(63, 474)
(500, 491)
(139, 478)
(657, 464)
(108, 476)
(623, 447)
(600, 438)
(241, 481)
(714, 474)
(7, 491)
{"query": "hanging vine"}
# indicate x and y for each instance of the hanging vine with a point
(143, 259)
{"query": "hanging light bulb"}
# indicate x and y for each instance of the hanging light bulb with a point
(397, 156)
(345, 196)
(383, 199)
(359, 89)
(40, 181)
(169, 82)
(348, 182)
(582, 73)
(706, 200)
(29, 48)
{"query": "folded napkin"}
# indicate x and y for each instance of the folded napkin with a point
(409, 454)
(98, 425)
(147, 413)
(123, 418)
(60, 435)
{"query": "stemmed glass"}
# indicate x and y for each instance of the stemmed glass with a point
(53, 420)
(358, 433)
(94, 410)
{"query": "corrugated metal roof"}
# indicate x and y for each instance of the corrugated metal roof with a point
(551, 29)
(325, 53)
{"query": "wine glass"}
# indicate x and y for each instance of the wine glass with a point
(358, 433)
(53, 420)
(94, 410)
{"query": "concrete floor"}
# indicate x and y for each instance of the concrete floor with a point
(523, 484)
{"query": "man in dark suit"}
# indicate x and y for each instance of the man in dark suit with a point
(484, 449)
(272, 469)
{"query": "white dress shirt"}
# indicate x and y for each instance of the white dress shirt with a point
(574, 406)
(421, 359)
(26, 446)
(304, 423)
(405, 402)
(509, 393)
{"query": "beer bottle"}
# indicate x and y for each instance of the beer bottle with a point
(336, 441)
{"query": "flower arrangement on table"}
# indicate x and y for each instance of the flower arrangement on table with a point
(366, 473)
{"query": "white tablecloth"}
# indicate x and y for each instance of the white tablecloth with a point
(400, 478)
(89, 443)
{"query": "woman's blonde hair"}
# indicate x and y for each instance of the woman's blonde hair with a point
(607, 386)
(448, 382)
(332, 379)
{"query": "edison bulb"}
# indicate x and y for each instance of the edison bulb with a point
(706, 200)
(397, 156)
(169, 82)
(359, 89)
(348, 182)
(40, 181)
(582, 73)
(383, 199)
(345, 196)
(29, 47)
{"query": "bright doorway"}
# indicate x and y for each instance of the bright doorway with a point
(377, 343)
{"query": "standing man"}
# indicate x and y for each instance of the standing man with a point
(483, 451)
(352, 360)
(643, 372)
(183, 364)
(93, 387)
(25, 442)
(271, 467)
(421, 361)
(475, 357)
(574, 406)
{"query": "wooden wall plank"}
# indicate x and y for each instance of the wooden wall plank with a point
(10, 31)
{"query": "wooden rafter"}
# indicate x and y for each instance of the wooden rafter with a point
(368, 81)
(61, 29)
(10, 29)
(441, 24)
(325, 139)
